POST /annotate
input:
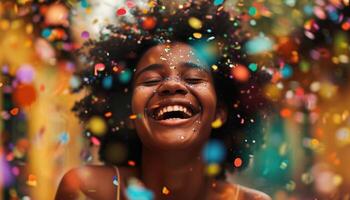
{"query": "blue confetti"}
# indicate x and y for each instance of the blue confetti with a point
(46, 33)
(136, 192)
(63, 138)
(214, 152)
(258, 44)
(218, 2)
(107, 82)
(125, 76)
(286, 71)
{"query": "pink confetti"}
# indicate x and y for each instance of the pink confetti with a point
(95, 141)
(130, 4)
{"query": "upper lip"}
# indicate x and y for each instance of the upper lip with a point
(171, 102)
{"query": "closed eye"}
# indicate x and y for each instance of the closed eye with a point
(151, 82)
(193, 80)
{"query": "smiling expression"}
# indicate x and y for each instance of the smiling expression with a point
(175, 93)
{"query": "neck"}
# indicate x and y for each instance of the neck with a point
(180, 172)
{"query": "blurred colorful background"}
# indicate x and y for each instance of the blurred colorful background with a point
(303, 45)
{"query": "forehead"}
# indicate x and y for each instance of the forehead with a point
(169, 55)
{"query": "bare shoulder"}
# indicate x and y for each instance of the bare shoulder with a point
(249, 193)
(89, 180)
(229, 191)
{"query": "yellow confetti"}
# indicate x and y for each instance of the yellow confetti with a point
(213, 169)
(217, 123)
(97, 125)
(197, 35)
(214, 67)
(195, 23)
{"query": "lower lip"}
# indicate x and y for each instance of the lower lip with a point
(175, 122)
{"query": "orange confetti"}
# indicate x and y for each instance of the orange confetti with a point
(285, 113)
(237, 162)
(108, 114)
(240, 73)
(345, 26)
(14, 111)
(24, 95)
(31, 180)
(165, 190)
(132, 116)
(149, 23)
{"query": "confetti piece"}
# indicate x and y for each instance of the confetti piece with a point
(85, 35)
(24, 95)
(253, 67)
(237, 162)
(240, 73)
(131, 163)
(195, 23)
(95, 141)
(148, 23)
(74, 82)
(46, 32)
(108, 114)
(286, 71)
(84, 3)
(130, 4)
(214, 152)
(121, 11)
(63, 138)
(252, 11)
(98, 68)
(25, 74)
(258, 45)
(213, 169)
(133, 116)
(218, 2)
(14, 111)
(285, 113)
(107, 82)
(217, 123)
(97, 125)
(197, 35)
(31, 181)
(125, 76)
(165, 190)
(138, 192)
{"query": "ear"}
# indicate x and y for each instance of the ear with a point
(221, 112)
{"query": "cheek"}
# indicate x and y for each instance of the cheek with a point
(207, 97)
(140, 97)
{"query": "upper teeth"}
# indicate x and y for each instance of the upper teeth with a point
(173, 108)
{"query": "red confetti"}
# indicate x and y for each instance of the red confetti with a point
(237, 162)
(240, 73)
(149, 23)
(131, 163)
(121, 11)
(14, 111)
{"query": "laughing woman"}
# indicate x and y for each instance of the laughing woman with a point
(176, 116)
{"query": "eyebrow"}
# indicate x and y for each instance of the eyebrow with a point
(159, 66)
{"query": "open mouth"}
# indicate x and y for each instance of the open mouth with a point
(172, 112)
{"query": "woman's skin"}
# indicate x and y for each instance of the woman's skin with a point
(166, 75)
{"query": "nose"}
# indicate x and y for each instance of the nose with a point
(172, 86)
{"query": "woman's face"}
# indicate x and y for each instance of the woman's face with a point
(174, 92)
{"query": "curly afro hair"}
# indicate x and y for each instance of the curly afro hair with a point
(110, 63)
